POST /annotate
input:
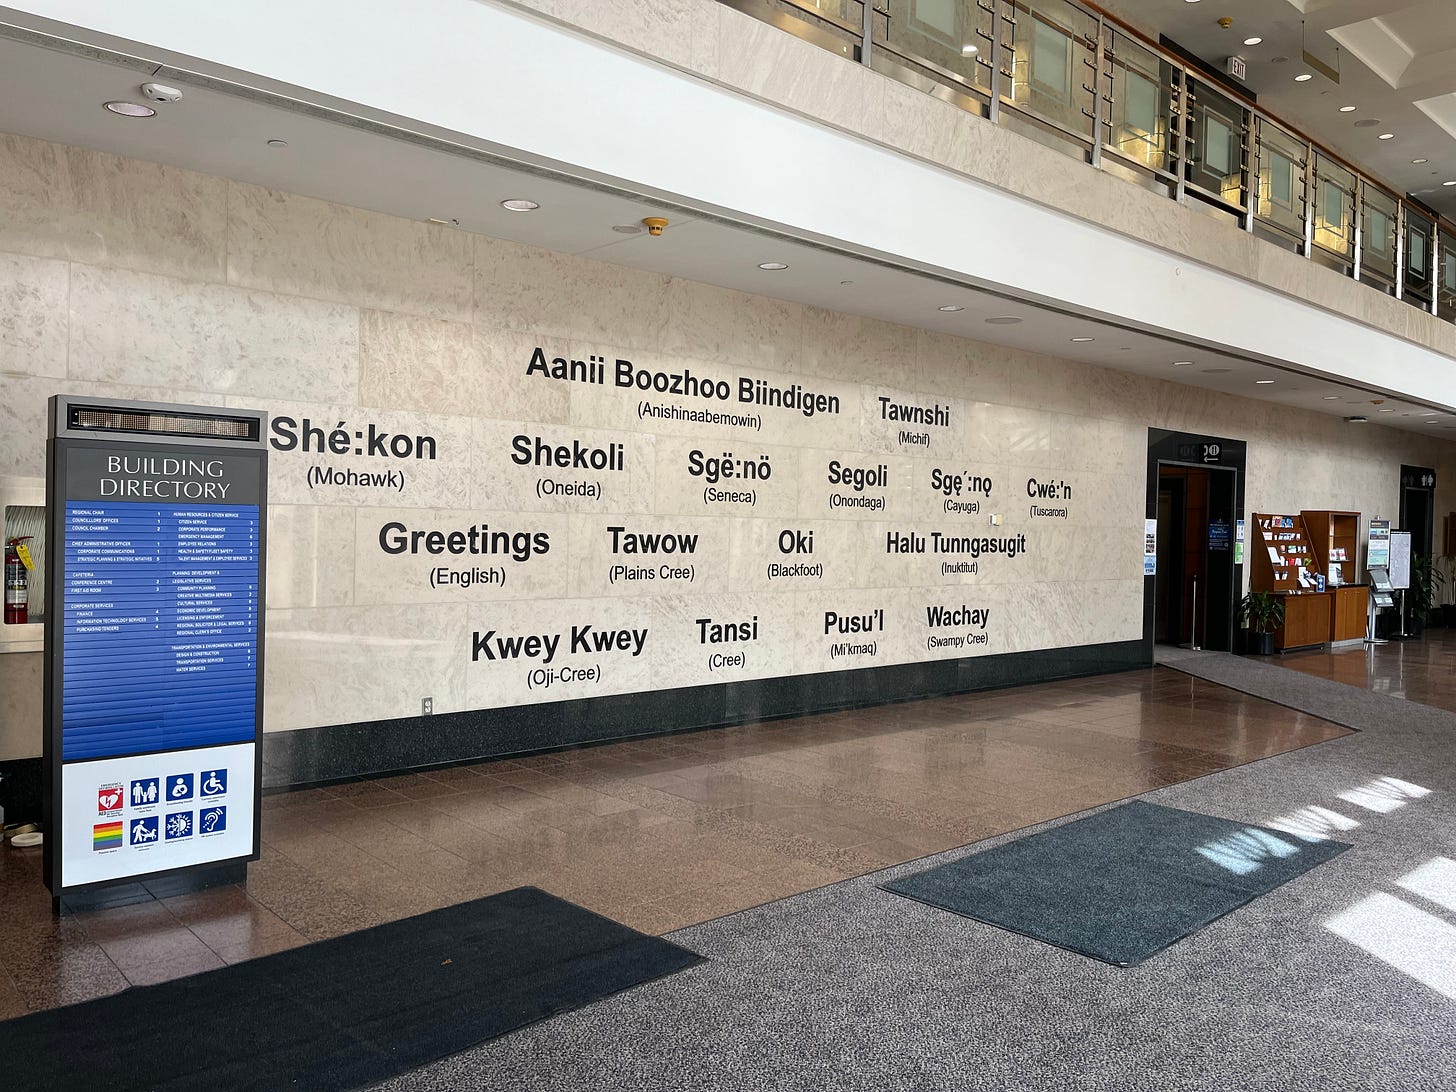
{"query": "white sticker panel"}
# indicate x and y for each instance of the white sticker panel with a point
(132, 816)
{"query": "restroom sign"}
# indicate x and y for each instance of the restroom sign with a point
(154, 640)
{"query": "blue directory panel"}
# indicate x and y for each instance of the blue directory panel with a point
(153, 642)
(161, 627)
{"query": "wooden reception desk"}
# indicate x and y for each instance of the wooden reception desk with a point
(1314, 618)
(1307, 619)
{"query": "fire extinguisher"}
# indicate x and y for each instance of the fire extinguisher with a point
(17, 581)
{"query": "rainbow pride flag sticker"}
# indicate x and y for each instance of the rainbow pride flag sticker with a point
(106, 836)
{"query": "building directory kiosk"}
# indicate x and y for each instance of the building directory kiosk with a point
(153, 688)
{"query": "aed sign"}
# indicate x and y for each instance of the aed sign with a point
(154, 642)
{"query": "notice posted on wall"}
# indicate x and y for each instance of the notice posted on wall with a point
(1150, 547)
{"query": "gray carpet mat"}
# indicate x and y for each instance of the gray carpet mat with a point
(1341, 980)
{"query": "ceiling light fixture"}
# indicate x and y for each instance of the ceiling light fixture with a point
(1303, 77)
(1082, 340)
(969, 50)
(1417, 160)
(773, 265)
(1450, 183)
(1263, 382)
(845, 284)
(1358, 419)
(1386, 136)
(275, 143)
(1253, 41)
(1182, 363)
(130, 109)
(952, 307)
(1347, 109)
(520, 204)
(1332, 398)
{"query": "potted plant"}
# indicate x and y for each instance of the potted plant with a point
(1263, 613)
(1426, 582)
(1446, 570)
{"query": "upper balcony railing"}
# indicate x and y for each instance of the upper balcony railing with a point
(1074, 78)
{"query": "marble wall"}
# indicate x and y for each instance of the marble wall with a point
(607, 539)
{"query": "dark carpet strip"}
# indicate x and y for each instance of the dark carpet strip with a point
(1122, 884)
(345, 1012)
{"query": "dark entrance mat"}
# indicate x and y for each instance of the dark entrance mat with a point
(1120, 885)
(344, 1012)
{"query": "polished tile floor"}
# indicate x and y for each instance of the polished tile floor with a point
(657, 833)
(1422, 670)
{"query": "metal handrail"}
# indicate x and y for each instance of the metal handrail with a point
(1181, 143)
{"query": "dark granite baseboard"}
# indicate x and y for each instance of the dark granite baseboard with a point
(342, 751)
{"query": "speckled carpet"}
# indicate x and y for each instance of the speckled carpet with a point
(1340, 980)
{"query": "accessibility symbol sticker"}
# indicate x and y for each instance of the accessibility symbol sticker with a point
(179, 825)
(212, 820)
(179, 787)
(145, 791)
(143, 831)
(214, 782)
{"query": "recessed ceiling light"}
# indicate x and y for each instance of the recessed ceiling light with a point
(845, 284)
(1387, 136)
(130, 109)
(952, 307)
(278, 143)
(969, 50)
(773, 265)
(1332, 398)
(1450, 183)
(520, 204)
(1003, 320)
(1303, 77)
(1386, 410)
(1182, 363)
(1082, 340)
(1253, 41)
(1348, 109)
(1429, 413)
(1358, 419)
(1417, 160)
(1263, 382)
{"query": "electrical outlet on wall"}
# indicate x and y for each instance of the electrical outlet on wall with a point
(427, 706)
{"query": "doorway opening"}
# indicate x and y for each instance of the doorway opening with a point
(1194, 587)
(1418, 507)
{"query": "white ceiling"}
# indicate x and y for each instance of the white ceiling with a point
(1396, 61)
(226, 134)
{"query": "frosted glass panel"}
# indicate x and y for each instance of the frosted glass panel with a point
(1379, 239)
(1050, 59)
(1281, 180)
(1142, 103)
(1332, 207)
(935, 15)
(1217, 156)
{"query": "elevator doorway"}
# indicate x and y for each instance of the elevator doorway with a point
(1195, 584)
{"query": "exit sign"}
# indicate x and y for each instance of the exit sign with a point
(1237, 68)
